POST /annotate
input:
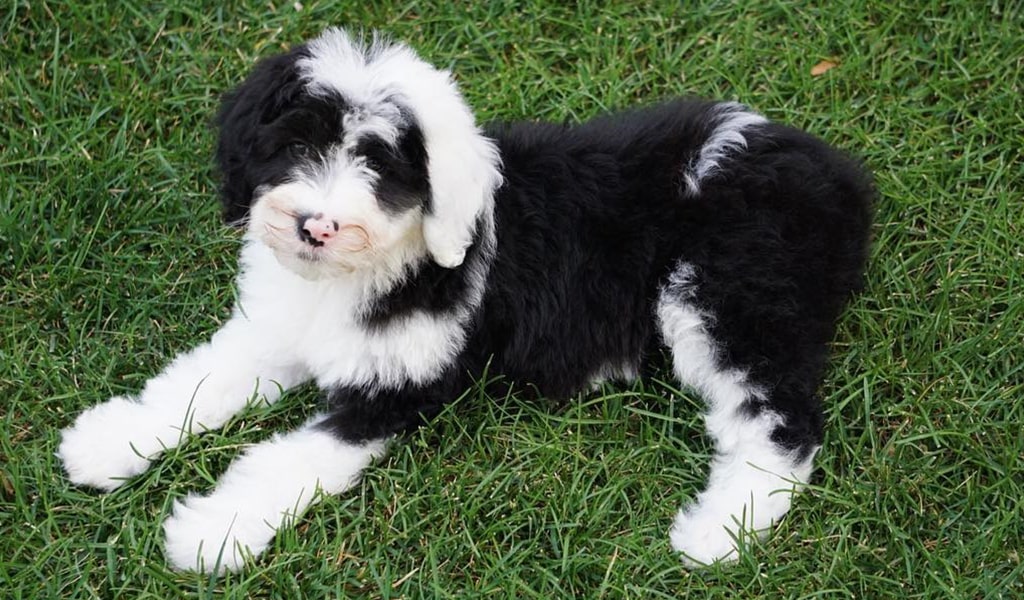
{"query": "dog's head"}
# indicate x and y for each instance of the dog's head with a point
(344, 155)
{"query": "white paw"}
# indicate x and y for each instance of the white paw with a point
(743, 500)
(705, 536)
(108, 444)
(214, 534)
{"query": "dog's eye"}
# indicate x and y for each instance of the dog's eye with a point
(299, 149)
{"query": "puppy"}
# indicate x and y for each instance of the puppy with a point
(394, 251)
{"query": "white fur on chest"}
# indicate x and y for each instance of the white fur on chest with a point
(315, 324)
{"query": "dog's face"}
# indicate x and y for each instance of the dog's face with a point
(343, 157)
(336, 187)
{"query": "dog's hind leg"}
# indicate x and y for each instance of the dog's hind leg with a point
(199, 391)
(764, 444)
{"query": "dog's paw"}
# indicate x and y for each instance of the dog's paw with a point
(213, 534)
(107, 444)
(705, 536)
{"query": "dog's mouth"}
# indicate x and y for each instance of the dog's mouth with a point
(302, 258)
(335, 249)
(311, 263)
(352, 242)
(319, 245)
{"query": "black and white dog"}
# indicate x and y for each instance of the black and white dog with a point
(394, 252)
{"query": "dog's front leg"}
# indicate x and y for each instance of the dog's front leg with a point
(197, 392)
(266, 488)
(275, 481)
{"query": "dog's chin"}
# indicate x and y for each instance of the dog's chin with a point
(311, 265)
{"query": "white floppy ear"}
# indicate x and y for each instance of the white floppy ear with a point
(463, 165)
(464, 174)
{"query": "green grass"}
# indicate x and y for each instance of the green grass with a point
(112, 261)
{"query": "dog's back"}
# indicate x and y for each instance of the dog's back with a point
(593, 219)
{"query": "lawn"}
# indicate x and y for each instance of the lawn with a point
(113, 259)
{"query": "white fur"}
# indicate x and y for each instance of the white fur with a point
(625, 372)
(198, 391)
(271, 485)
(731, 118)
(113, 441)
(752, 479)
(316, 323)
(750, 488)
(392, 242)
(464, 165)
(286, 329)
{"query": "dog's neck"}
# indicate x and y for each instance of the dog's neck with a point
(426, 286)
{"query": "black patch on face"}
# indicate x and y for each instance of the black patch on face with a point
(271, 124)
(403, 182)
(305, 132)
(244, 113)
